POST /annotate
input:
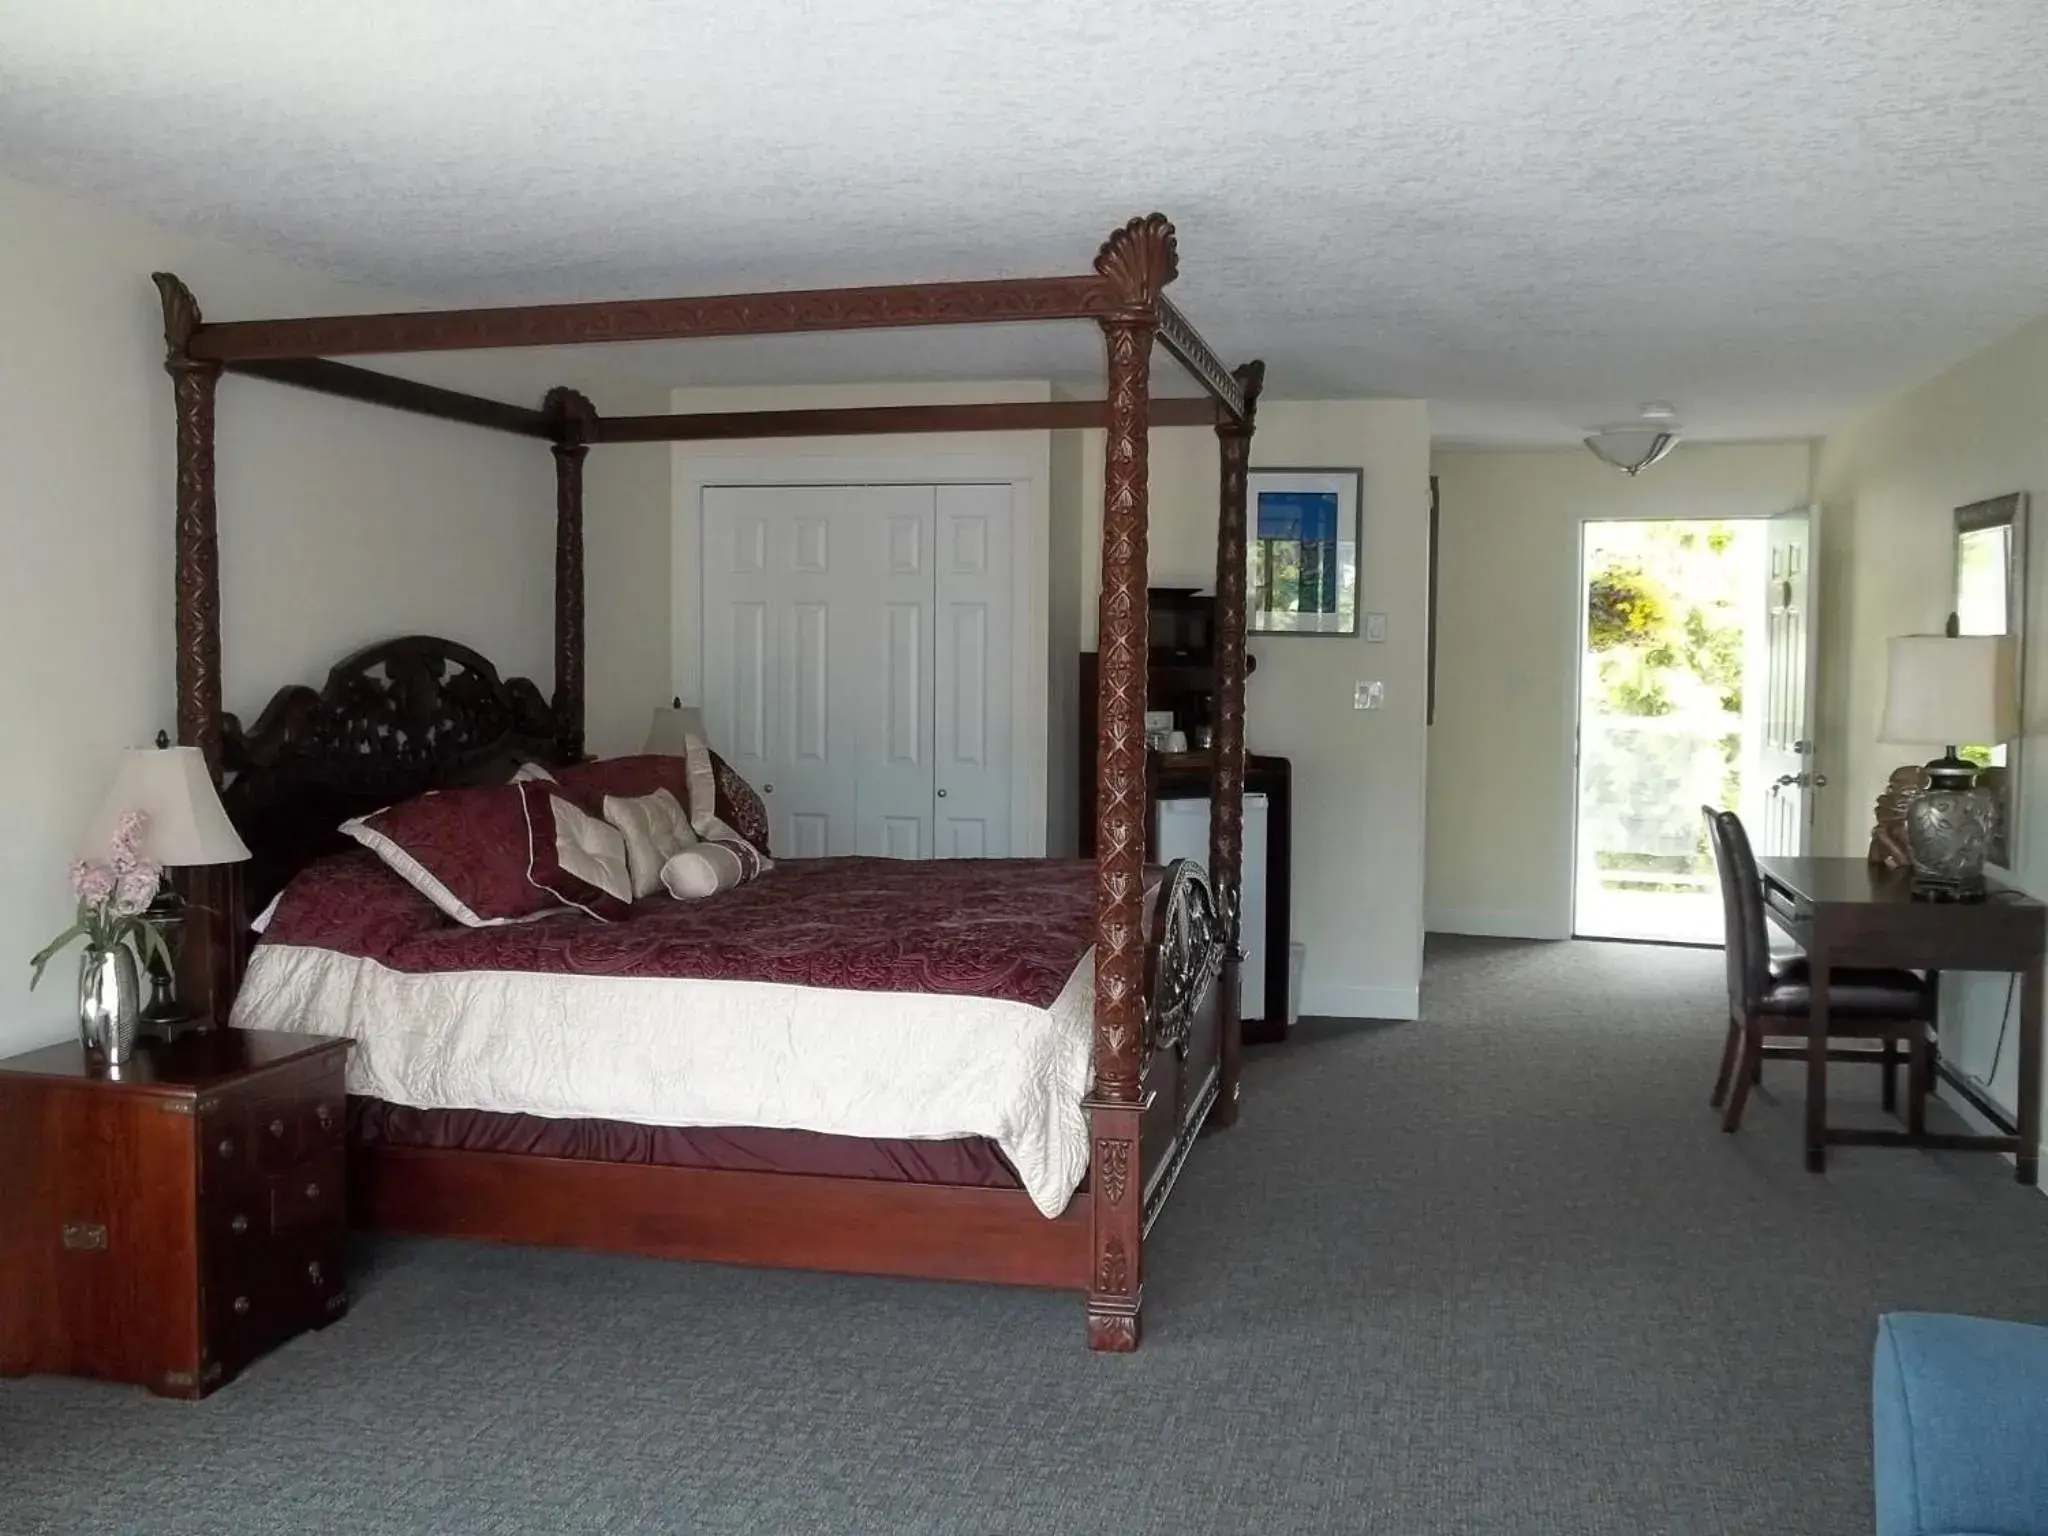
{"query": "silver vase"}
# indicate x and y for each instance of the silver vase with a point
(109, 1002)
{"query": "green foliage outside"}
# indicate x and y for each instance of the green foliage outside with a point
(1661, 715)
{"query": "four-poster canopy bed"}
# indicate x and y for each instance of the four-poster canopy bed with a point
(419, 714)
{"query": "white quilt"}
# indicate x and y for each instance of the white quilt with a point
(910, 1065)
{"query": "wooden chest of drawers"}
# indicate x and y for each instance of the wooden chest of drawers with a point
(168, 1223)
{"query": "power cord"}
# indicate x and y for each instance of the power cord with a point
(1998, 1051)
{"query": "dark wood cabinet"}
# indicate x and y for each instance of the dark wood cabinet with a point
(167, 1223)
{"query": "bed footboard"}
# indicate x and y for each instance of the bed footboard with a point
(1190, 1064)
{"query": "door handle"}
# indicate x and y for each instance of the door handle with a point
(1803, 780)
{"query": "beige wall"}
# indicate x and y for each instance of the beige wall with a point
(340, 525)
(1358, 776)
(1889, 485)
(1500, 754)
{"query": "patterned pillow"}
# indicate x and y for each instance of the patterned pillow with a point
(656, 828)
(738, 806)
(576, 857)
(714, 865)
(462, 849)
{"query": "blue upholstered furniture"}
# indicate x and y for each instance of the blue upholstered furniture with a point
(1960, 1409)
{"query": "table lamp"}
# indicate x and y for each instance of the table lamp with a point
(188, 827)
(1950, 689)
(668, 733)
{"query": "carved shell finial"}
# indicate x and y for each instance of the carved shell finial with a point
(181, 310)
(1140, 260)
(571, 413)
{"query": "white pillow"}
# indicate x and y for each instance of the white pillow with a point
(531, 773)
(712, 866)
(656, 829)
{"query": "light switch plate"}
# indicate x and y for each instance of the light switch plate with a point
(1375, 626)
(1369, 695)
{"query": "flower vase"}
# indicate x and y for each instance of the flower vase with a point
(109, 1001)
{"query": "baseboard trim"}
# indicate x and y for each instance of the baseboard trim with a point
(1361, 1002)
(1499, 925)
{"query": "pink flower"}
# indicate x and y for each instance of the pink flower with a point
(136, 889)
(126, 849)
(92, 880)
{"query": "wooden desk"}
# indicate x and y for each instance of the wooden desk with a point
(1848, 912)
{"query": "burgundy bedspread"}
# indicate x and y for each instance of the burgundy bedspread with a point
(1012, 929)
(968, 1160)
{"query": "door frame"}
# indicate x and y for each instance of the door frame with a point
(1566, 912)
(1028, 478)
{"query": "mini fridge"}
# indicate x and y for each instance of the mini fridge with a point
(1184, 834)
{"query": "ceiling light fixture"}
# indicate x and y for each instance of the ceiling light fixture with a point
(1634, 447)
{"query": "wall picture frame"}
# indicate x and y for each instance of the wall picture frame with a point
(1301, 547)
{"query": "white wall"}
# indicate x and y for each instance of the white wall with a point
(674, 539)
(1889, 485)
(1500, 753)
(340, 524)
(1358, 777)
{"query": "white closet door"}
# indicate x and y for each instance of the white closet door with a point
(787, 607)
(893, 795)
(972, 712)
(857, 655)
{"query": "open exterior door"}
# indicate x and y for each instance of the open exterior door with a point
(1786, 763)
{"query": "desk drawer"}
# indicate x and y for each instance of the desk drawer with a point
(1782, 909)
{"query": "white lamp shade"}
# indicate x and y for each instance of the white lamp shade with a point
(1950, 690)
(672, 727)
(187, 823)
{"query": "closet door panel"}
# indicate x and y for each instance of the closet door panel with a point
(971, 707)
(895, 790)
(740, 633)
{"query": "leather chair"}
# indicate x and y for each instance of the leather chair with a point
(1772, 999)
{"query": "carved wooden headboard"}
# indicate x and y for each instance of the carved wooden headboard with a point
(392, 721)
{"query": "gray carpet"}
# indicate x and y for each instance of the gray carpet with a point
(1498, 1271)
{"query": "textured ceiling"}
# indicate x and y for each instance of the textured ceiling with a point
(1534, 213)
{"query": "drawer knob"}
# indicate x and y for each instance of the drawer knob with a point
(239, 1225)
(314, 1274)
(277, 1127)
(227, 1146)
(312, 1191)
(241, 1306)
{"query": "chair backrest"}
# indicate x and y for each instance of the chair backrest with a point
(1742, 907)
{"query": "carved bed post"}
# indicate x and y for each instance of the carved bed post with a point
(571, 415)
(1226, 819)
(193, 383)
(1138, 261)
(207, 961)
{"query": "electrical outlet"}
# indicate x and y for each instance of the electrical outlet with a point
(1369, 695)
(1375, 626)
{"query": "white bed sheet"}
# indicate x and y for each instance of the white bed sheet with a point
(914, 1065)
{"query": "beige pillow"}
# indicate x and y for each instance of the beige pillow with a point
(712, 866)
(656, 829)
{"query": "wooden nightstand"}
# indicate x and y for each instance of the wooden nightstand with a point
(169, 1224)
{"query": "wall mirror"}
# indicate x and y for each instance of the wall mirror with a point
(1991, 599)
(1302, 549)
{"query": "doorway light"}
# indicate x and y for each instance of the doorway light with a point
(1634, 447)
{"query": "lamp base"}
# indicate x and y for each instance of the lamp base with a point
(1949, 830)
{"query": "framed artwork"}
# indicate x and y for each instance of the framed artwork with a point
(1990, 598)
(1301, 540)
